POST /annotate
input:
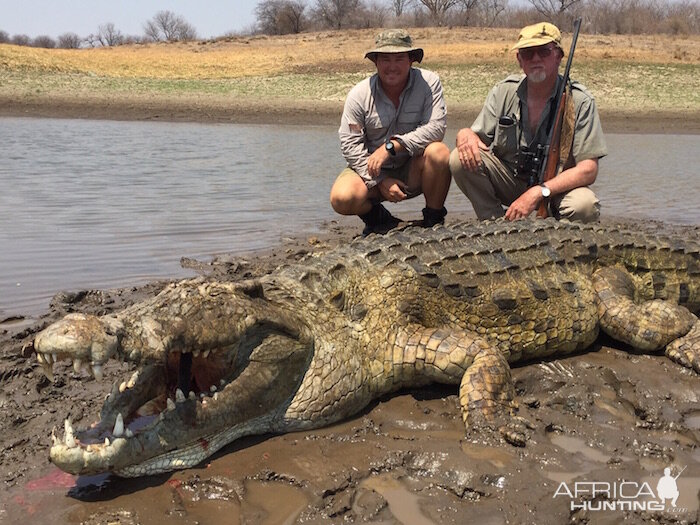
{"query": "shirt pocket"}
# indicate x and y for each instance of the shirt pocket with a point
(409, 118)
(505, 143)
(375, 129)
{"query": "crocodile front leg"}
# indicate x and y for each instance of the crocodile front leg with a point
(648, 326)
(486, 394)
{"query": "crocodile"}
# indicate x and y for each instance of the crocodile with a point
(315, 341)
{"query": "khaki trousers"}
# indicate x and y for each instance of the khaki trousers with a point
(494, 186)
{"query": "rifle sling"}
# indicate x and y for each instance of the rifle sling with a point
(567, 130)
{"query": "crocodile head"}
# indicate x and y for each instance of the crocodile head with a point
(213, 361)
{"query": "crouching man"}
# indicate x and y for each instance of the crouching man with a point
(390, 135)
(491, 161)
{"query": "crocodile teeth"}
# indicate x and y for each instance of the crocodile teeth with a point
(212, 388)
(69, 439)
(48, 370)
(132, 380)
(106, 442)
(97, 372)
(205, 354)
(171, 404)
(40, 358)
(128, 433)
(195, 353)
(118, 426)
(179, 396)
(122, 387)
(192, 395)
(77, 365)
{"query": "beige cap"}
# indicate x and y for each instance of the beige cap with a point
(538, 35)
(394, 41)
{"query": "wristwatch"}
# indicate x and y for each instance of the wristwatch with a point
(390, 147)
(546, 192)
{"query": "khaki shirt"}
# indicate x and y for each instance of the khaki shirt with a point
(509, 97)
(370, 118)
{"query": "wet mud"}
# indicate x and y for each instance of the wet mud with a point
(604, 416)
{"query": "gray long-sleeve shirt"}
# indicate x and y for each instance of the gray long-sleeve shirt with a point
(370, 118)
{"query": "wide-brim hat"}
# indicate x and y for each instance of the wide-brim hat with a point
(394, 41)
(538, 35)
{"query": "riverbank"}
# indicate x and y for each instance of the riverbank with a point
(292, 112)
(642, 83)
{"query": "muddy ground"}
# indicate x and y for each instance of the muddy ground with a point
(604, 416)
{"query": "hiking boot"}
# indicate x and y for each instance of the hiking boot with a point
(378, 220)
(431, 216)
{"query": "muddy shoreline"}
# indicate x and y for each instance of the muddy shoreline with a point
(604, 415)
(291, 112)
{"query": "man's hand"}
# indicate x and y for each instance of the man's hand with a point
(470, 146)
(392, 190)
(525, 204)
(376, 160)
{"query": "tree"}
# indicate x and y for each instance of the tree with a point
(110, 35)
(20, 40)
(335, 13)
(166, 26)
(438, 8)
(44, 41)
(280, 17)
(552, 8)
(490, 10)
(466, 8)
(399, 6)
(4, 37)
(69, 41)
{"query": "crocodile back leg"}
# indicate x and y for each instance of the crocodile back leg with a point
(686, 350)
(647, 325)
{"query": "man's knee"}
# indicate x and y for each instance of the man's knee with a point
(459, 173)
(437, 153)
(348, 194)
(581, 205)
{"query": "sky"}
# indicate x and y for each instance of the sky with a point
(54, 17)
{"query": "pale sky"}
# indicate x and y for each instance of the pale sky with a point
(54, 17)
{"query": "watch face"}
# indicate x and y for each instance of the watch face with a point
(546, 192)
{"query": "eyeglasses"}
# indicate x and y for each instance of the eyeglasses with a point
(529, 52)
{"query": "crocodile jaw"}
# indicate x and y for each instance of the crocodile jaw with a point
(148, 425)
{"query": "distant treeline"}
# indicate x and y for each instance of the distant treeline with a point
(599, 16)
(279, 17)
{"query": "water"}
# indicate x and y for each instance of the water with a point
(97, 204)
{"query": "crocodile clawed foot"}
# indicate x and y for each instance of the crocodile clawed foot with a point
(516, 432)
(686, 350)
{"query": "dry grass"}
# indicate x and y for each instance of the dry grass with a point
(624, 72)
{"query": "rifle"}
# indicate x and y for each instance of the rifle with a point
(550, 162)
(681, 472)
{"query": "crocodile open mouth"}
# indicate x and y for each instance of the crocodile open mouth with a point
(175, 412)
(143, 400)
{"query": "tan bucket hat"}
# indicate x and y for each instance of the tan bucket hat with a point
(394, 41)
(538, 35)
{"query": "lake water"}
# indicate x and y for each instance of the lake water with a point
(99, 204)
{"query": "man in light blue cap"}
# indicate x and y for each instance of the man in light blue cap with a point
(390, 135)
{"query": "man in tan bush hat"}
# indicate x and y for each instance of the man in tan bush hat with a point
(494, 158)
(390, 135)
